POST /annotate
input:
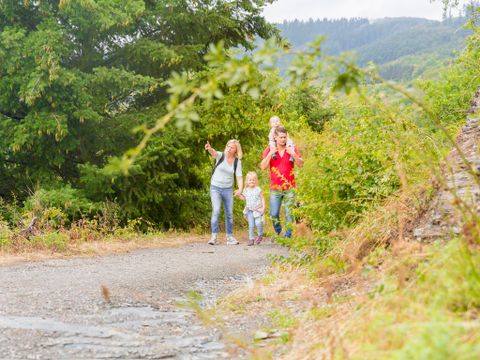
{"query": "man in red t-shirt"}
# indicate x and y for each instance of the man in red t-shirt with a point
(282, 179)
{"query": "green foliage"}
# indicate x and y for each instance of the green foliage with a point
(163, 187)
(455, 276)
(311, 104)
(439, 340)
(430, 318)
(282, 319)
(77, 76)
(371, 143)
(10, 212)
(350, 168)
(52, 240)
(423, 65)
(5, 234)
(60, 204)
(449, 97)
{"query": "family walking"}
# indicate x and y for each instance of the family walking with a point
(280, 157)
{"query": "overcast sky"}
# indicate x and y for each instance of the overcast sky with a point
(334, 9)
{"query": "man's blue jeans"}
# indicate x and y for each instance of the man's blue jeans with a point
(217, 195)
(276, 197)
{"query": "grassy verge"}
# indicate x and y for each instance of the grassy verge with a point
(87, 238)
(65, 243)
(376, 295)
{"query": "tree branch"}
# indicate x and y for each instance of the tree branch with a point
(12, 116)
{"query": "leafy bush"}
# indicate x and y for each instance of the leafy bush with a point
(52, 240)
(60, 204)
(5, 234)
(450, 96)
(10, 212)
(350, 168)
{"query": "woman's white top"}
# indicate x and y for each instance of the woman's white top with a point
(223, 175)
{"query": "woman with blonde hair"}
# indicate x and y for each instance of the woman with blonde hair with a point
(228, 165)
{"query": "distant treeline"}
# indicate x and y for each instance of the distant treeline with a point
(403, 47)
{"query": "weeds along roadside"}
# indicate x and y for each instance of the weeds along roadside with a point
(371, 296)
(42, 230)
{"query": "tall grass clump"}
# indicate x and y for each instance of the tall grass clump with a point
(432, 315)
(5, 235)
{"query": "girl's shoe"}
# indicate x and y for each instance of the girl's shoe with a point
(258, 240)
(251, 242)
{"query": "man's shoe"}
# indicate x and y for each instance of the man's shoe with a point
(213, 240)
(232, 241)
(251, 242)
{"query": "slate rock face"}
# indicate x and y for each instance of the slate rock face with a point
(460, 183)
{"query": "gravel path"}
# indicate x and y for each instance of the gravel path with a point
(55, 310)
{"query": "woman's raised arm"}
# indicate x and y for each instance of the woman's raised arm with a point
(211, 150)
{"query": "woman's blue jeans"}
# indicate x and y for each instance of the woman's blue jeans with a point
(276, 198)
(219, 195)
(252, 223)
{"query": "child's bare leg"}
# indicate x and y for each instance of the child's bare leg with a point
(273, 147)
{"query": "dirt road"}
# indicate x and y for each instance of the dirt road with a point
(55, 309)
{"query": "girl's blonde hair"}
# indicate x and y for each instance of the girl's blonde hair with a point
(274, 117)
(251, 174)
(239, 153)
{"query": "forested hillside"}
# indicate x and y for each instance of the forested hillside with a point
(404, 48)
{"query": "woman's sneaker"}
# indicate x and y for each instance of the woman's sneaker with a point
(258, 240)
(213, 240)
(231, 240)
(251, 242)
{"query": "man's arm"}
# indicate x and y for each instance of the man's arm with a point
(296, 156)
(266, 160)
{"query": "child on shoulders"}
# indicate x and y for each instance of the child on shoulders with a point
(274, 124)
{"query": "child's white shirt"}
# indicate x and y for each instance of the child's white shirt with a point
(253, 200)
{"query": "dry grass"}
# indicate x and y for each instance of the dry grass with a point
(247, 309)
(102, 246)
(353, 305)
(327, 309)
(381, 227)
(331, 304)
